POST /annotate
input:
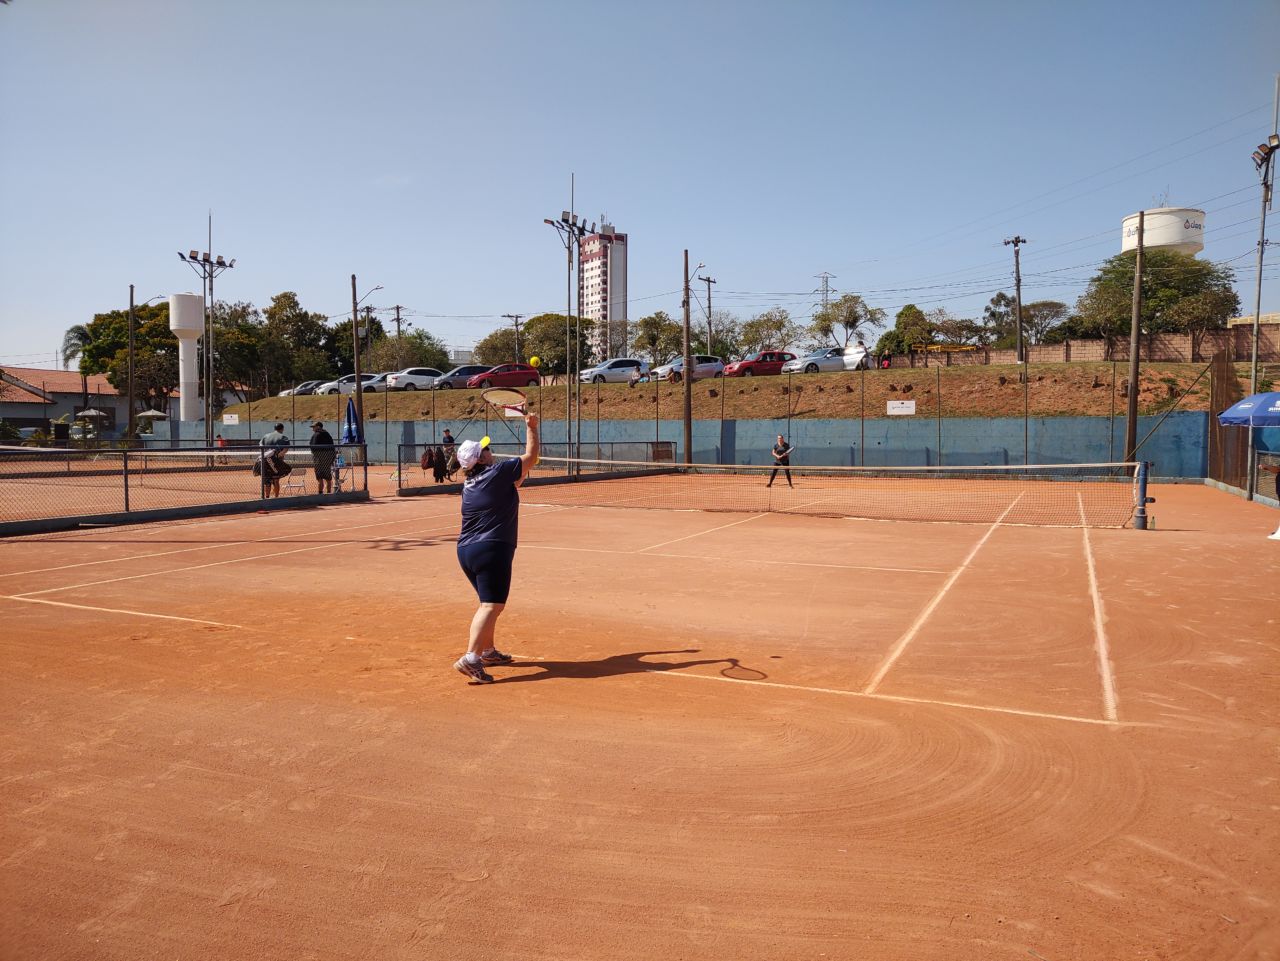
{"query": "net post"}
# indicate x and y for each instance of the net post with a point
(125, 471)
(1140, 508)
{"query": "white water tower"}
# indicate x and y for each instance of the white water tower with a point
(186, 320)
(1169, 228)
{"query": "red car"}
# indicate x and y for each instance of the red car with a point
(506, 375)
(758, 365)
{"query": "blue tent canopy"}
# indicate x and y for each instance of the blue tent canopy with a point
(1258, 410)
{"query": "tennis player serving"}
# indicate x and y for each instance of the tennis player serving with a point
(487, 542)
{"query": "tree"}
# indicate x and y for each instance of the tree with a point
(1001, 319)
(657, 338)
(338, 345)
(543, 337)
(960, 331)
(1041, 316)
(845, 319)
(75, 343)
(499, 347)
(772, 330)
(725, 335)
(1200, 313)
(1105, 308)
(910, 327)
(417, 348)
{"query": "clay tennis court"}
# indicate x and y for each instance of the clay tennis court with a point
(730, 735)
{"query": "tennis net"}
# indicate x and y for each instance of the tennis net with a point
(40, 483)
(1055, 495)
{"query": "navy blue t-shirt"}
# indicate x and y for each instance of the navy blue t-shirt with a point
(491, 505)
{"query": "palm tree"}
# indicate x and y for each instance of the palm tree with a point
(75, 342)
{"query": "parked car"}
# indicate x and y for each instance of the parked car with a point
(343, 385)
(306, 387)
(459, 376)
(759, 364)
(378, 385)
(704, 366)
(413, 378)
(617, 370)
(506, 375)
(822, 359)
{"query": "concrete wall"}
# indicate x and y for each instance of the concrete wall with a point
(1177, 449)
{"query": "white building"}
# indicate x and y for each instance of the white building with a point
(602, 281)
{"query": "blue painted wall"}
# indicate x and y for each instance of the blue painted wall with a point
(1179, 448)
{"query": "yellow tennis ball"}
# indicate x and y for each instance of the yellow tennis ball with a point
(535, 361)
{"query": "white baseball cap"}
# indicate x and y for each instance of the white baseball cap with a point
(469, 452)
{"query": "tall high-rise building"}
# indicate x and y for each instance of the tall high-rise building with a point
(602, 280)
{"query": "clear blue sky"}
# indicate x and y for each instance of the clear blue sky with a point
(421, 144)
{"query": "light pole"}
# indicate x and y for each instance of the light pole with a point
(1264, 159)
(356, 334)
(571, 233)
(207, 268)
(133, 422)
(687, 374)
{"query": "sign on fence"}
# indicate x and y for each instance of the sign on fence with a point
(896, 408)
(231, 418)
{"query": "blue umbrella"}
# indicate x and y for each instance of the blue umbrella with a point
(1258, 410)
(351, 430)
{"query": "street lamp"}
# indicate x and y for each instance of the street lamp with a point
(687, 373)
(133, 323)
(571, 233)
(207, 268)
(1264, 159)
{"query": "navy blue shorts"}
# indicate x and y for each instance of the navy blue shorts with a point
(487, 565)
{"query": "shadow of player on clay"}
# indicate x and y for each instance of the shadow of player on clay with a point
(630, 663)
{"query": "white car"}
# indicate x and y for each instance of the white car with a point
(375, 385)
(704, 366)
(617, 370)
(343, 385)
(413, 378)
(823, 359)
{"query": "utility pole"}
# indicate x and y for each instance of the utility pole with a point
(1131, 416)
(688, 371)
(515, 323)
(1016, 242)
(709, 281)
(399, 343)
(132, 324)
(1264, 158)
(355, 345)
(826, 279)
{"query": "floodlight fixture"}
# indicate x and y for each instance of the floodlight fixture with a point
(220, 261)
(564, 216)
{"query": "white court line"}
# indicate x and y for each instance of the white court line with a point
(918, 623)
(898, 699)
(677, 540)
(198, 567)
(115, 610)
(1099, 628)
(210, 547)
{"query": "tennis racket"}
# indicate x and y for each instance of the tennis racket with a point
(511, 401)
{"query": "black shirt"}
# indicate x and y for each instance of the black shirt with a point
(784, 453)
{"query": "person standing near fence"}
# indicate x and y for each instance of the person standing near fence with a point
(274, 463)
(322, 457)
(487, 541)
(781, 460)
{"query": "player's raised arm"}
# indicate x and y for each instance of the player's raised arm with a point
(532, 446)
